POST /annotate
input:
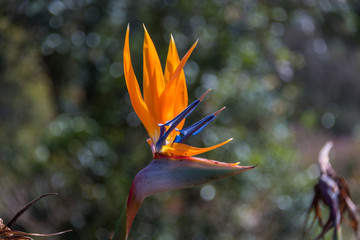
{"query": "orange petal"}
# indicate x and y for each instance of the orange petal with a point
(180, 149)
(153, 80)
(175, 94)
(137, 100)
(172, 61)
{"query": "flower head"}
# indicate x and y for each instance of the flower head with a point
(162, 108)
(333, 191)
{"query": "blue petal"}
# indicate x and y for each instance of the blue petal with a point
(174, 122)
(193, 129)
(196, 128)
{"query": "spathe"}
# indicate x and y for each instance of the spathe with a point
(165, 174)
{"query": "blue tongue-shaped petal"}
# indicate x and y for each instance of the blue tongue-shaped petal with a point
(174, 122)
(196, 127)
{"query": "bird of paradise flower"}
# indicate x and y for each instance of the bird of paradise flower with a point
(162, 110)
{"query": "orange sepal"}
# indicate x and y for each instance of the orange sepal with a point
(180, 149)
(181, 97)
(136, 98)
(153, 79)
(175, 95)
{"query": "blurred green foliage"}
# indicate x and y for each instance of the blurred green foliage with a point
(286, 70)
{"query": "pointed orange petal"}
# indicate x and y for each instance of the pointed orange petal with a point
(153, 79)
(180, 149)
(172, 61)
(134, 90)
(182, 63)
(175, 94)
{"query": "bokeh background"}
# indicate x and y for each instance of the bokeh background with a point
(288, 72)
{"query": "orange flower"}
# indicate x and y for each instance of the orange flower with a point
(162, 109)
(163, 106)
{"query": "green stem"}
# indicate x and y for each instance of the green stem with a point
(120, 230)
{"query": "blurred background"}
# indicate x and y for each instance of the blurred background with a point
(288, 72)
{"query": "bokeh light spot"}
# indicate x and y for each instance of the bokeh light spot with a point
(77, 220)
(320, 46)
(284, 202)
(78, 38)
(93, 40)
(116, 69)
(56, 7)
(53, 40)
(207, 192)
(56, 21)
(42, 153)
(328, 120)
(99, 191)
